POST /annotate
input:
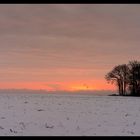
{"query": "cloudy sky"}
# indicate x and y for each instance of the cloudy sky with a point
(65, 46)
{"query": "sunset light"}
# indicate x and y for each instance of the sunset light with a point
(65, 47)
(61, 86)
(69, 69)
(82, 87)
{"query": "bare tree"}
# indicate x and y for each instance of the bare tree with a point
(124, 70)
(119, 76)
(134, 77)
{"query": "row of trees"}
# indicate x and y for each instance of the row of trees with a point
(126, 77)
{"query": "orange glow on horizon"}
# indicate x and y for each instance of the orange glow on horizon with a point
(59, 86)
(82, 87)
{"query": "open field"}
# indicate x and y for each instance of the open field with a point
(68, 115)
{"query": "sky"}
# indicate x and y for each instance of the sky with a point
(66, 46)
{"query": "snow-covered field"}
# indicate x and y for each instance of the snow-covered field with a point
(68, 115)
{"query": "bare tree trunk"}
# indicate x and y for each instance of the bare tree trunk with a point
(119, 86)
(124, 88)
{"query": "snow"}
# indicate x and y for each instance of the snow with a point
(68, 115)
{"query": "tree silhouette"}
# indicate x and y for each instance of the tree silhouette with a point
(126, 77)
(119, 76)
(134, 77)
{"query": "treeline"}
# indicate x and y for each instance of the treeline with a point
(126, 77)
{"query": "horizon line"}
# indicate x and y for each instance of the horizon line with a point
(56, 91)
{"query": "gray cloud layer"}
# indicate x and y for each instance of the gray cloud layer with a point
(93, 37)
